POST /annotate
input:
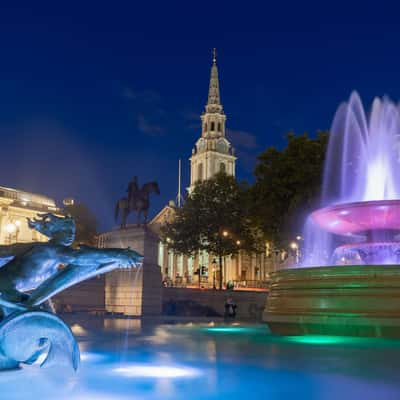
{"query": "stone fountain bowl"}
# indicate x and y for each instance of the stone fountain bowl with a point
(351, 218)
(359, 300)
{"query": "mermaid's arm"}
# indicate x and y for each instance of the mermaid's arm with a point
(68, 276)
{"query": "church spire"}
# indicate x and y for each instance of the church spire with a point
(214, 100)
(213, 152)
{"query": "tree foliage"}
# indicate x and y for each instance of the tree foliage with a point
(287, 186)
(214, 218)
(86, 224)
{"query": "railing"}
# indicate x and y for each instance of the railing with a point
(254, 284)
(207, 283)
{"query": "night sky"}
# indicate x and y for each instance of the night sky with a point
(93, 93)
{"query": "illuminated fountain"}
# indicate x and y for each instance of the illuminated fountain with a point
(349, 282)
(361, 189)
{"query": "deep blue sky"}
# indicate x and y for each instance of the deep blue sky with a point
(92, 93)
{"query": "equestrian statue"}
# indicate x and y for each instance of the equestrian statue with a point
(138, 200)
(32, 273)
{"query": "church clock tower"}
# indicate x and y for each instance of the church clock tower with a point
(212, 153)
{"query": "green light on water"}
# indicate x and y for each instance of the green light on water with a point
(319, 339)
(231, 329)
(342, 340)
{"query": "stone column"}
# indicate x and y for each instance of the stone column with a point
(135, 292)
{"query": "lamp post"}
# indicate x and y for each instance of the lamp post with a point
(223, 234)
(295, 247)
(299, 254)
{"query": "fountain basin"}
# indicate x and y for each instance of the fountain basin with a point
(382, 253)
(349, 300)
(352, 218)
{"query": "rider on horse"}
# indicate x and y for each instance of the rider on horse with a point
(137, 200)
(133, 189)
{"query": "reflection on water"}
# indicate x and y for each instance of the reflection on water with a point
(123, 324)
(209, 362)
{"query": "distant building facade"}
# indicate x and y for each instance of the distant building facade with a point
(15, 207)
(212, 153)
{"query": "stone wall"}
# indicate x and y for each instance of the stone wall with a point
(86, 296)
(250, 304)
(90, 296)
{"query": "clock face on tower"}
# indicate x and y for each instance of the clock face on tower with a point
(222, 146)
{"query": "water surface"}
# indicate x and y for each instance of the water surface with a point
(129, 359)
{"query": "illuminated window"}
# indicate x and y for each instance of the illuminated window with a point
(219, 126)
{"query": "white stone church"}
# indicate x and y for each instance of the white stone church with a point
(212, 153)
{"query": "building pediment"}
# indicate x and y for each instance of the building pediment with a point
(167, 214)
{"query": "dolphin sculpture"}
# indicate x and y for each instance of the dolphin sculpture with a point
(47, 334)
(30, 274)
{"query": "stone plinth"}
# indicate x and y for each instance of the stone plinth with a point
(134, 292)
(340, 300)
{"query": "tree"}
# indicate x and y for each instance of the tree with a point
(86, 224)
(214, 218)
(287, 186)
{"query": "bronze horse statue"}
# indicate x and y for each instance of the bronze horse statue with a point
(138, 200)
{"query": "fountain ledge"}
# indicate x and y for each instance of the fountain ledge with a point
(357, 300)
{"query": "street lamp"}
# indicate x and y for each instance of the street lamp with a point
(13, 230)
(295, 247)
(10, 228)
(225, 233)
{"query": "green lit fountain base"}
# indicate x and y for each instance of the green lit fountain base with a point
(341, 300)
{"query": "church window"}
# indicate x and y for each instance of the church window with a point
(205, 127)
(212, 126)
(200, 172)
(222, 167)
(219, 126)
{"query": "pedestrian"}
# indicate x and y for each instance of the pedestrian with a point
(230, 308)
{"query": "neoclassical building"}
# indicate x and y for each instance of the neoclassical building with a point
(15, 207)
(212, 153)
